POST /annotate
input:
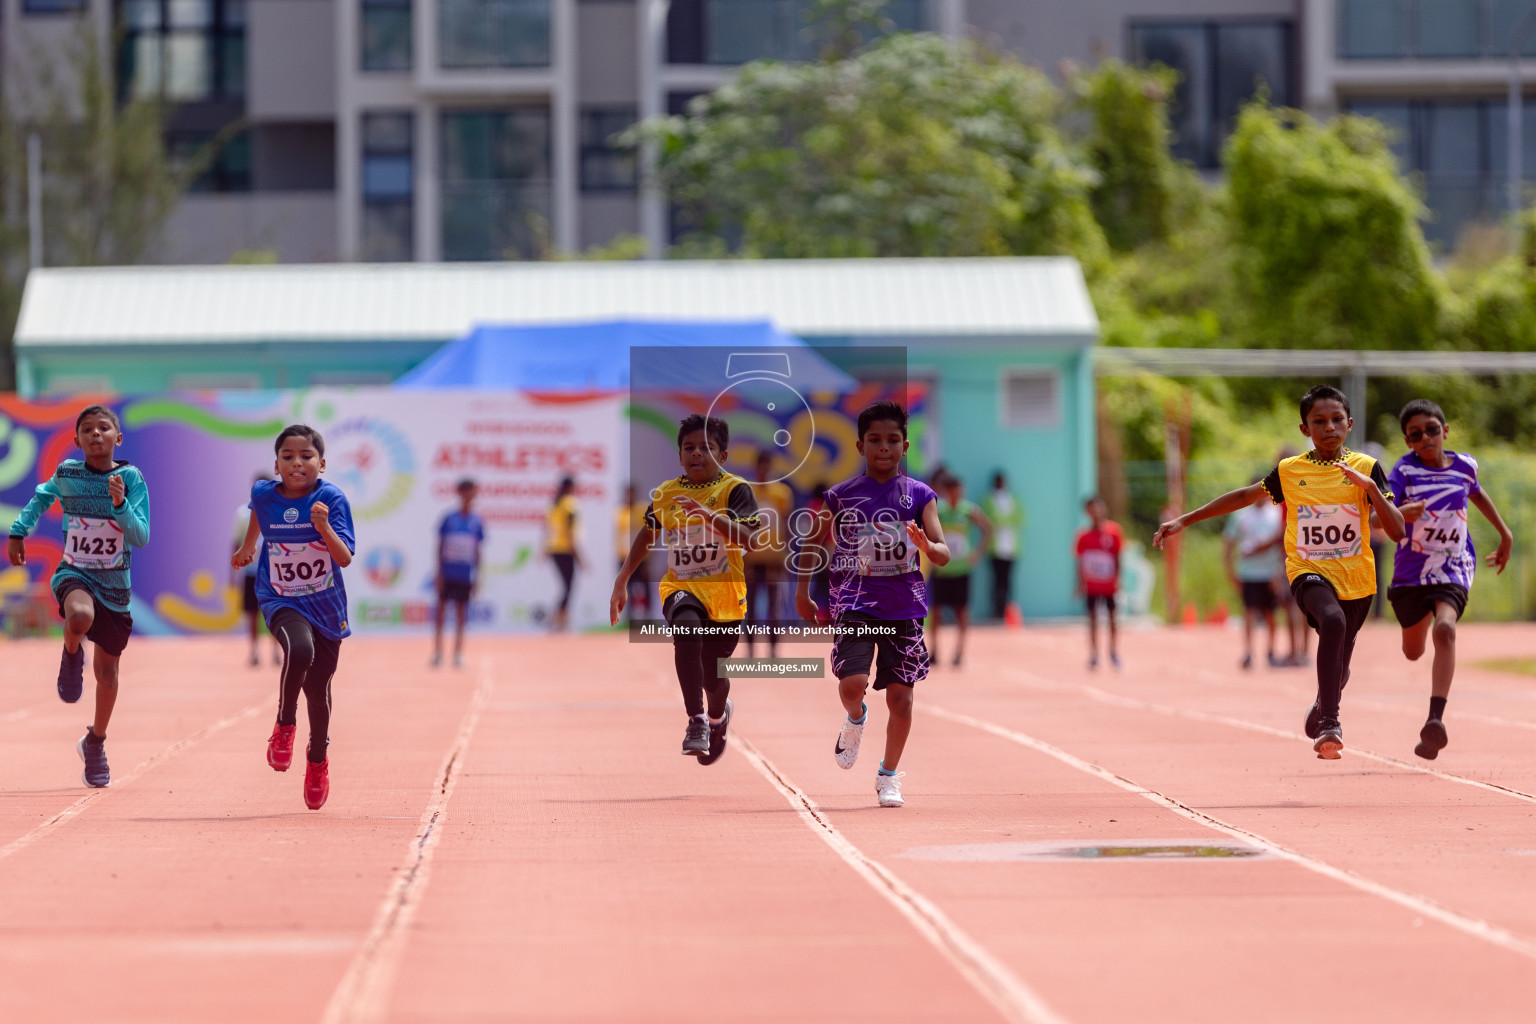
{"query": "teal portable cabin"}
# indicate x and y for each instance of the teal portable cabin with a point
(1005, 345)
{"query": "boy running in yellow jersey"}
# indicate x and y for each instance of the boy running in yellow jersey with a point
(707, 517)
(1328, 494)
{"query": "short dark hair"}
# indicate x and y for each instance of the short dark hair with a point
(97, 410)
(1095, 498)
(466, 484)
(714, 430)
(1321, 393)
(1419, 407)
(883, 410)
(303, 430)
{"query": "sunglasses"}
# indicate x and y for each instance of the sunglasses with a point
(1415, 436)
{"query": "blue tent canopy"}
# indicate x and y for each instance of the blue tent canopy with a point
(597, 357)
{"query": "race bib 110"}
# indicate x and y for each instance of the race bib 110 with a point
(885, 550)
(298, 570)
(1328, 532)
(1440, 533)
(91, 543)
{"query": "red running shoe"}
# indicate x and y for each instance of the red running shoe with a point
(317, 783)
(280, 747)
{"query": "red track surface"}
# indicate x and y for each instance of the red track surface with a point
(520, 841)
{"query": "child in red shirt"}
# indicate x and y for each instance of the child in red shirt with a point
(1098, 575)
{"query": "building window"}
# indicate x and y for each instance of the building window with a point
(1221, 66)
(496, 183)
(184, 51)
(1459, 149)
(492, 33)
(1430, 29)
(737, 31)
(386, 35)
(389, 187)
(228, 168)
(52, 6)
(606, 167)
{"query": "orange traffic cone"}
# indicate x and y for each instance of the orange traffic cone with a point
(1012, 616)
(1191, 614)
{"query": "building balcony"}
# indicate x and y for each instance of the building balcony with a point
(490, 34)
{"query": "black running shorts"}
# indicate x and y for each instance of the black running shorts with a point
(453, 593)
(952, 591)
(109, 629)
(895, 646)
(1259, 595)
(1412, 603)
(1356, 610)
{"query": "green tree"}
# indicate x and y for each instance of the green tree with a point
(1327, 238)
(1128, 145)
(914, 146)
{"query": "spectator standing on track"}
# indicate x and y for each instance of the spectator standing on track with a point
(951, 582)
(1006, 514)
(1098, 575)
(562, 534)
(460, 541)
(626, 520)
(1255, 536)
(1295, 620)
(247, 578)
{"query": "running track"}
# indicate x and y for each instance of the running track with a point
(520, 841)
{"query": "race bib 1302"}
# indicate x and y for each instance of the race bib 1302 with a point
(298, 570)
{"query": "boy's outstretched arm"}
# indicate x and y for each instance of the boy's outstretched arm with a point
(930, 539)
(1224, 505)
(805, 607)
(1499, 558)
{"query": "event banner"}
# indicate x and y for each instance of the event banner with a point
(397, 455)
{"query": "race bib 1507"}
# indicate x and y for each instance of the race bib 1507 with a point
(91, 543)
(1439, 533)
(298, 570)
(1327, 532)
(695, 551)
(885, 550)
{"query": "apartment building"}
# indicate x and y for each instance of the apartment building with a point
(383, 130)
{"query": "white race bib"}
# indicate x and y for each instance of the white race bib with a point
(1098, 566)
(959, 544)
(298, 570)
(695, 551)
(1440, 533)
(91, 543)
(885, 550)
(460, 548)
(1327, 532)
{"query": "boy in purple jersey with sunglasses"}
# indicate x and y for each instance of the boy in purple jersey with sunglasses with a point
(1435, 560)
(878, 521)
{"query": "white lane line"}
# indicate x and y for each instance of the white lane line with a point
(1016, 1000)
(92, 796)
(1136, 704)
(15, 716)
(363, 993)
(1473, 926)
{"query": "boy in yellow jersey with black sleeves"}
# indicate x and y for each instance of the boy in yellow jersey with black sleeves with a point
(1329, 494)
(707, 517)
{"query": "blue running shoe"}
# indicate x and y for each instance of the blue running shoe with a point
(72, 675)
(93, 752)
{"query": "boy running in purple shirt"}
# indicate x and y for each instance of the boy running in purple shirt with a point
(1435, 561)
(878, 521)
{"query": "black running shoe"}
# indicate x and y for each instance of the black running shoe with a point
(1330, 739)
(1313, 717)
(717, 735)
(1432, 739)
(72, 675)
(94, 753)
(696, 739)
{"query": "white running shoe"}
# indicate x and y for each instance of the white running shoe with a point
(888, 789)
(848, 737)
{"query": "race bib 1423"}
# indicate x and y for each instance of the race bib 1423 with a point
(298, 570)
(91, 543)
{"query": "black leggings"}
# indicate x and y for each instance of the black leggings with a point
(697, 659)
(1337, 624)
(309, 662)
(566, 563)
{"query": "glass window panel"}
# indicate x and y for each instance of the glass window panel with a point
(232, 66)
(1397, 118)
(386, 38)
(52, 6)
(234, 13)
(388, 133)
(1498, 139)
(1453, 139)
(388, 177)
(1504, 18)
(388, 231)
(190, 13)
(493, 33)
(1250, 57)
(736, 31)
(510, 145)
(1185, 49)
(1448, 28)
(188, 67)
(1373, 28)
(145, 67)
(141, 14)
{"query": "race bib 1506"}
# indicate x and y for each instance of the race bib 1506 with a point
(300, 569)
(91, 543)
(1326, 532)
(885, 550)
(695, 551)
(1439, 533)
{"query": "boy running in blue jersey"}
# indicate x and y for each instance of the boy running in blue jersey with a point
(106, 515)
(459, 538)
(305, 526)
(1435, 561)
(878, 522)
